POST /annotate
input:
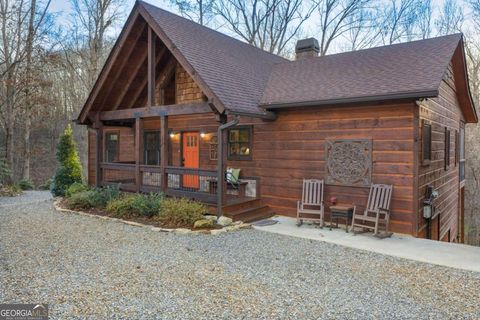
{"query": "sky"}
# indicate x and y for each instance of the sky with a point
(62, 10)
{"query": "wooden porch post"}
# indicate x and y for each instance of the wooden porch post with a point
(151, 67)
(221, 183)
(99, 147)
(138, 150)
(163, 151)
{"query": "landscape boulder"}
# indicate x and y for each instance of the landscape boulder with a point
(224, 221)
(204, 223)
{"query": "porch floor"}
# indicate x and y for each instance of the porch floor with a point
(452, 255)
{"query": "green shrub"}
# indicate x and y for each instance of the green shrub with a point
(80, 200)
(75, 188)
(25, 184)
(102, 196)
(10, 190)
(147, 205)
(5, 172)
(46, 185)
(70, 169)
(121, 207)
(135, 205)
(181, 212)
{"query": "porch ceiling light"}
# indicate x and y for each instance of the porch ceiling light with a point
(172, 134)
(203, 134)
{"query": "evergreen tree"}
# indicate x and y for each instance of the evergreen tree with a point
(70, 169)
(4, 171)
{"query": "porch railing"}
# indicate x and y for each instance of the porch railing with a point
(151, 178)
(122, 174)
(192, 183)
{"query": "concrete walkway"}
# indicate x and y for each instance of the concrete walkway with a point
(441, 253)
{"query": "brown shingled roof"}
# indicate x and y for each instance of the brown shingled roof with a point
(242, 79)
(413, 69)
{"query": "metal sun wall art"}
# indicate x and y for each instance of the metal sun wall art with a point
(348, 162)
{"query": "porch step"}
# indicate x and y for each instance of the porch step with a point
(241, 204)
(250, 214)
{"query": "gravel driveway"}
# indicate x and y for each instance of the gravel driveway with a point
(91, 268)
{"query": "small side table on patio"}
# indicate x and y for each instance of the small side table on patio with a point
(341, 211)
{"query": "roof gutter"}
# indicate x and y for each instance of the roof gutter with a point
(396, 96)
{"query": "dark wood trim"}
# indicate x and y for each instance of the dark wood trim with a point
(141, 87)
(250, 142)
(144, 135)
(183, 61)
(149, 168)
(128, 58)
(155, 111)
(457, 149)
(416, 161)
(122, 186)
(99, 156)
(119, 44)
(149, 189)
(151, 68)
(447, 141)
(107, 131)
(167, 74)
(426, 162)
(190, 171)
(130, 78)
(460, 75)
(138, 148)
(164, 150)
(118, 166)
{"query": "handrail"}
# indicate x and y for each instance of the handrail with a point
(191, 171)
(150, 168)
(118, 166)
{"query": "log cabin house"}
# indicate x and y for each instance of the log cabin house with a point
(177, 103)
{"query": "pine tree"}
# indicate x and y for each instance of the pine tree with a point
(4, 171)
(70, 169)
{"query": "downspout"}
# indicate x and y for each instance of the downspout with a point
(220, 173)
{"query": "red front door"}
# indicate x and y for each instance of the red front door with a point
(191, 157)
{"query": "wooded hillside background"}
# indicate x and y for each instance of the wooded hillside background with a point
(49, 60)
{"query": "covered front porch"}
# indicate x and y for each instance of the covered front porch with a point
(179, 150)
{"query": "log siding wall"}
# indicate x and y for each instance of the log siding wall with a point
(292, 148)
(442, 112)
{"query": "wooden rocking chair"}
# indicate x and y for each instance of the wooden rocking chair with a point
(377, 211)
(311, 203)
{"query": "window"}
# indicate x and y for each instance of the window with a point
(213, 148)
(461, 153)
(240, 143)
(426, 143)
(447, 148)
(151, 146)
(111, 146)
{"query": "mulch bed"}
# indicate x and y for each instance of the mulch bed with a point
(142, 220)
